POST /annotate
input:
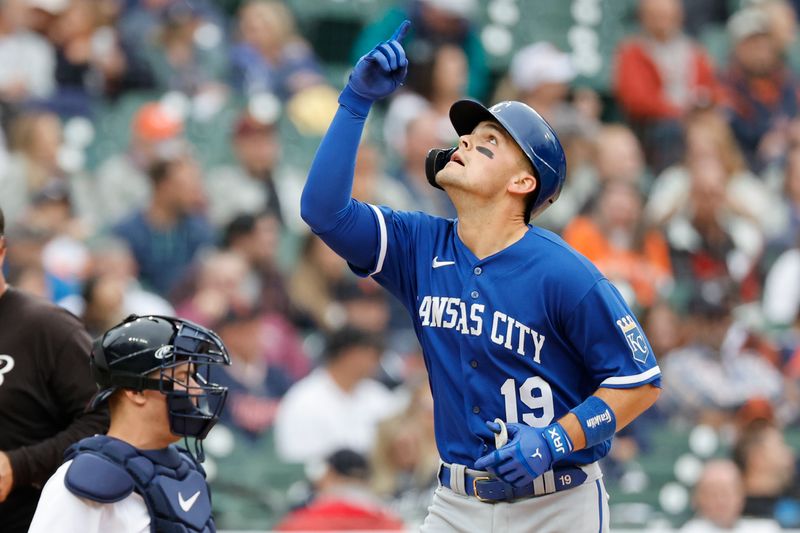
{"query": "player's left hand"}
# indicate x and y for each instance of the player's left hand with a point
(6, 477)
(526, 455)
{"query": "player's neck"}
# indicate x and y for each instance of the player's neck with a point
(137, 435)
(486, 236)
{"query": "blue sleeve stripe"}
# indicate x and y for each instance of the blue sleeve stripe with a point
(383, 239)
(630, 380)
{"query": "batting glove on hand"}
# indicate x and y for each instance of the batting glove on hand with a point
(528, 454)
(378, 73)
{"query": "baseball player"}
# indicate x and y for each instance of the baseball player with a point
(524, 339)
(154, 373)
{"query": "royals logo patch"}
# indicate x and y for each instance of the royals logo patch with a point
(635, 338)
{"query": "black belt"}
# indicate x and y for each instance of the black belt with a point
(489, 489)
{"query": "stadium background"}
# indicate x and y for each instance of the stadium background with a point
(97, 94)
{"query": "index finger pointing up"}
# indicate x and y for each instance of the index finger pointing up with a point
(401, 30)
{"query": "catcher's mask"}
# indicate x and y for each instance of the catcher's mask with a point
(145, 352)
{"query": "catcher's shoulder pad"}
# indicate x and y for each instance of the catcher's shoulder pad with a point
(97, 478)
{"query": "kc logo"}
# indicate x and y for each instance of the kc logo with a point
(6, 365)
(633, 335)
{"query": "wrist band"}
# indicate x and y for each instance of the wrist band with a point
(557, 440)
(597, 420)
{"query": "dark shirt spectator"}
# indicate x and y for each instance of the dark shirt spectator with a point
(166, 236)
(761, 94)
(45, 384)
(272, 56)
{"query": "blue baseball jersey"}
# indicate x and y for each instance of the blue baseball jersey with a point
(523, 335)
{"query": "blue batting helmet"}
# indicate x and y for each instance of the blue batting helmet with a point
(530, 131)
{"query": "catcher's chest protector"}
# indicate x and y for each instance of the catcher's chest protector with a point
(172, 485)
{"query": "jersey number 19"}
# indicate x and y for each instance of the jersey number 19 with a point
(541, 403)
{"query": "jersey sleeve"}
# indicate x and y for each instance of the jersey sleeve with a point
(604, 330)
(400, 236)
(60, 510)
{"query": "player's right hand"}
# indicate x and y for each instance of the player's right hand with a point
(383, 69)
(525, 457)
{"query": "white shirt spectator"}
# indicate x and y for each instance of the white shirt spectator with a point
(782, 289)
(317, 417)
(27, 58)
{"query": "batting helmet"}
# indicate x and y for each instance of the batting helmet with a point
(129, 354)
(530, 131)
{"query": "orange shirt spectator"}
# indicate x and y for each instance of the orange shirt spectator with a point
(613, 239)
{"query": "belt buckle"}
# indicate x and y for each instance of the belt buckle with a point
(475, 489)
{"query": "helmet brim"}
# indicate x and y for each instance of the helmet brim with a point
(465, 115)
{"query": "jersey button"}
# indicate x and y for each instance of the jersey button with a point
(473, 363)
(477, 271)
(476, 409)
(474, 294)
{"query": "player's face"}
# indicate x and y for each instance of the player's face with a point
(488, 163)
(182, 379)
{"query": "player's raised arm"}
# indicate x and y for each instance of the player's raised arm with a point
(347, 226)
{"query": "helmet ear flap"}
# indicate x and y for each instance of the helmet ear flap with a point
(435, 161)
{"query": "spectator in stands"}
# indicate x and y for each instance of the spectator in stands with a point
(220, 282)
(782, 289)
(337, 405)
(314, 282)
(342, 500)
(187, 53)
(540, 75)
(433, 23)
(761, 92)
(616, 155)
(114, 268)
(256, 238)
(271, 55)
(405, 461)
(616, 239)
(769, 471)
(166, 235)
(27, 61)
(708, 136)
(719, 500)
(90, 62)
(660, 75)
(711, 237)
(723, 365)
(252, 185)
(123, 184)
(36, 138)
(254, 385)
(372, 185)
(425, 130)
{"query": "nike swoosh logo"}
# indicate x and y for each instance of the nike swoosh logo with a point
(187, 504)
(437, 263)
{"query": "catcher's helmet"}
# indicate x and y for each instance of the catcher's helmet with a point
(129, 354)
(530, 131)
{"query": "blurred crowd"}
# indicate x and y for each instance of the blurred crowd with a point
(683, 188)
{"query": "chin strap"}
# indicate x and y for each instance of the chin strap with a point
(435, 161)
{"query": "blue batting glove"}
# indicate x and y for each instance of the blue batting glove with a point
(528, 454)
(383, 69)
